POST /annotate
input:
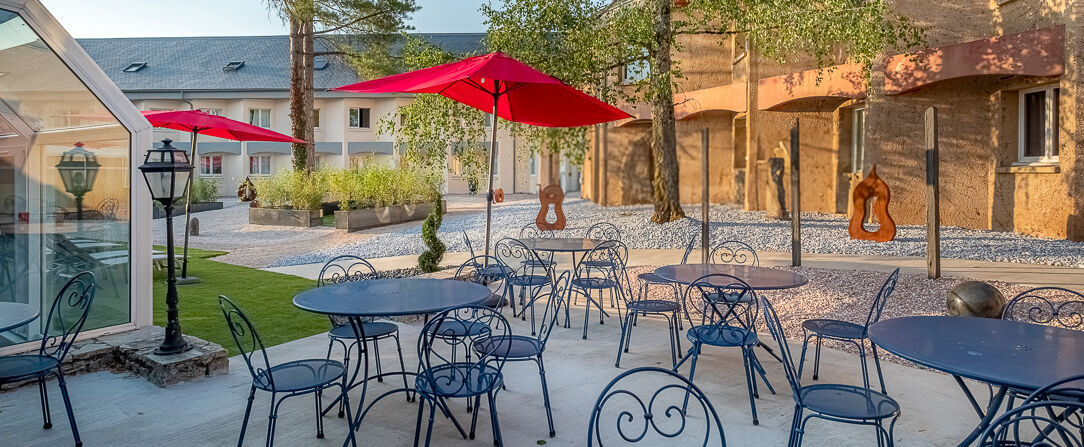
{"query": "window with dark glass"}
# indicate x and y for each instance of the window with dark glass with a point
(359, 118)
(1039, 115)
(210, 165)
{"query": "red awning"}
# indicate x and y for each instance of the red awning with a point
(1039, 52)
(812, 90)
(725, 98)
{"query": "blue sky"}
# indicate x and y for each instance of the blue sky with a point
(146, 18)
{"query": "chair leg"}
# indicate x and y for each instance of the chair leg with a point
(46, 417)
(376, 355)
(862, 362)
(877, 364)
(749, 379)
(546, 395)
(402, 366)
(795, 427)
(418, 424)
(319, 417)
(497, 441)
(248, 412)
(474, 417)
(68, 407)
(671, 326)
(621, 346)
(271, 417)
(677, 333)
(429, 430)
(349, 417)
(694, 353)
(817, 360)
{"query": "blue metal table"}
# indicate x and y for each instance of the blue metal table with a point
(758, 278)
(571, 245)
(383, 298)
(13, 315)
(1003, 354)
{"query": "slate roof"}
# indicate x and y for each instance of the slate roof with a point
(195, 63)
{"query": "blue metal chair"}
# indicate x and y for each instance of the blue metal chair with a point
(848, 332)
(466, 240)
(350, 268)
(1069, 388)
(528, 272)
(848, 404)
(721, 311)
(490, 272)
(648, 279)
(296, 378)
(602, 269)
(603, 231)
(639, 305)
(1047, 423)
(518, 348)
(66, 317)
(450, 371)
(734, 252)
(658, 412)
(531, 230)
(1047, 305)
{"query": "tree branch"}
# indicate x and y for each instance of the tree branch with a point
(353, 22)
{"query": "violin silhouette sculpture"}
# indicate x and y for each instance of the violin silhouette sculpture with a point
(551, 195)
(872, 187)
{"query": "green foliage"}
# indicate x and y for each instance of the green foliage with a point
(292, 189)
(429, 260)
(204, 190)
(379, 186)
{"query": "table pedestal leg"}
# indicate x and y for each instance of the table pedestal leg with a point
(985, 417)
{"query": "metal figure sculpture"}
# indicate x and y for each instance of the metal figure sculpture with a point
(247, 193)
(551, 195)
(872, 187)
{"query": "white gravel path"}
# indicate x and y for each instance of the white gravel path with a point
(821, 233)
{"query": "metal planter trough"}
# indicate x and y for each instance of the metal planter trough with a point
(376, 217)
(197, 207)
(284, 217)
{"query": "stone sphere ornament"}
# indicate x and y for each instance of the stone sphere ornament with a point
(975, 299)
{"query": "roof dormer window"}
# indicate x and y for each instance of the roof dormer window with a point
(319, 63)
(233, 66)
(134, 67)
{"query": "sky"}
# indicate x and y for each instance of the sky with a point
(167, 18)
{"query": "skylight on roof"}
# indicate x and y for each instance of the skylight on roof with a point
(233, 66)
(319, 63)
(134, 67)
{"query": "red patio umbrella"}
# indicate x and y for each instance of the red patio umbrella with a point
(199, 122)
(507, 88)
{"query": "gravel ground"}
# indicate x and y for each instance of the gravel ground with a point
(822, 233)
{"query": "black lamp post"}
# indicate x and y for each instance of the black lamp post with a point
(166, 170)
(78, 170)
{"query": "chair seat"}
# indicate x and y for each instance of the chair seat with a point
(593, 283)
(848, 401)
(539, 263)
(650, 277)
(495, 301)
(15, 367)
(512, 346)
(372, 329)
(529, 280)
(835, 328)
(450, 328)
(458, 380)
(300, 375)
(722, 335)
(494, 271)
(598, 264)
(653, 306)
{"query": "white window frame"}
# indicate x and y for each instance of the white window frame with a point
(857, 131)
(259, 165)
(1050, 129)
(210, 167)
(260, 110)
(361, 122)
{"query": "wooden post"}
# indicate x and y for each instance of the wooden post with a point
(795, 198)
(933, 197)
(705, 238)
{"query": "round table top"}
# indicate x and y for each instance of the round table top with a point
(1002, 353)
(758, 278)
(561, 244)
(388, 297)
(13, 315)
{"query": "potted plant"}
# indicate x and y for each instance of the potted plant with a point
(289, 198)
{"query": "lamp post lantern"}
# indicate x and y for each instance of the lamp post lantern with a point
(167, 170)
(78, 170)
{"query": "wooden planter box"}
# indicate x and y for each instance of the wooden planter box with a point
(288, 218)
(377, 217)
(178, 209)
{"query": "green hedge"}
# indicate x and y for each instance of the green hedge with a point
(368, 187)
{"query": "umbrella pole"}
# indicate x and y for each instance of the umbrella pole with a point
(188, 207)
(492, 161)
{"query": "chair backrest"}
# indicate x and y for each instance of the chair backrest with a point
(485, 270)
(248, 341)
(734, 252)
(466, 240)
(554, 302)
(531, 230)
(689, 249)
(881, 299)
(520, 259)
(1047, 305)
(775, 328)
(67, 314)
(1071, 387)
(345, 268)
(654, 416)
(450, 338)
(1050, 423)
(721, 300)
(604, 231)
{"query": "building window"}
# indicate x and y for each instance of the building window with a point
(533, 165)
(359, 118)
(315, 118)
(259, 165)
(1038, 141)
(636, 71)
(260, 117)
(211, 111)
(858, 139)
(489, 121)
(210, 165)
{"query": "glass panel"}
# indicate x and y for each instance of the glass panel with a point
(49, 232)
(355, 117)
(1055, 123)
(1034, 124)
(858, 140)
(364, 118)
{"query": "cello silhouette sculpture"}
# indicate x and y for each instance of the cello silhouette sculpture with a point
(551, 195)
(870, 187)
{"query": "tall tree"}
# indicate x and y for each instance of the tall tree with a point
(354, 30)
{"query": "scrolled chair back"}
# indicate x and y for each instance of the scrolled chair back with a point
(484, 270)
(689, 249)
(449, 350)
(1069, 388)
(555, 300)
(734, 252)
(1047, 305)
(67, 314)
(653, 417)
(531, 230)
(248, 342)
(607, 255)
(1048, 423)
(345, 268)
(603, 231)
(519, 258)
(466, 240)
(879, 302)
(721, 300)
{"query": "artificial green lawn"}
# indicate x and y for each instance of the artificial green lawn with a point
(265, 297)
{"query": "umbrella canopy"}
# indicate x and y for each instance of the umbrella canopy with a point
(213, 125)
(525, 95)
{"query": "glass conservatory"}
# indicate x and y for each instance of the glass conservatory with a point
(67, 204)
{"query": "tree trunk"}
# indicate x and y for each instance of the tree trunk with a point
(308, 105)
(298, 119)
(663, 127)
